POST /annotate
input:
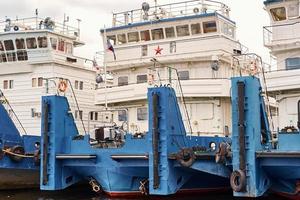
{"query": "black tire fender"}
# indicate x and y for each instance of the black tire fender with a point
(17, 150)
(238, 180)
(186, 157)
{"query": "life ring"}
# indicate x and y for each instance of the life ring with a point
(16, 28)
(238, 180)
(62, 86)
(253, 68)
(186, 157)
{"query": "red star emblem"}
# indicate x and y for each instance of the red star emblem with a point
(158, 50)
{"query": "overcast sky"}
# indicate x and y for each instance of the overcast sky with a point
(249, 16)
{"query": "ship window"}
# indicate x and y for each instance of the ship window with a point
(293, 63)
(142, 114)
(96, 116)
(8, 84)
(69, 48)
(122, 80)
(78, 114)
(112, 39)
(79, 85)
(122, 39)
(293, 10)
(184, 75)
(37, 82)
(33, 82)
(42, 42)
(228, 29)
(9, 45)
(53, 42)
(22, 55)
(209, 27)
(133, 37)
(1, 46)
(278, 14)
(145, 35)
(173, 47)
(141, 78)
(157, 34)
(40, 82)
(196, 29)
(122, 116)
(2, 55)
(170, 32)
(11, 56)
(31, 43)
(20, 44)
(183, 30)
(61, 45)
(144, 50)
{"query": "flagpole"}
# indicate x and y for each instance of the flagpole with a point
(105, 71)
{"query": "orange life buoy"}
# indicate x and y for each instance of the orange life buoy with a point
(62, 86)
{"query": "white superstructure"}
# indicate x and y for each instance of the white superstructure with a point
(283, 39)
(35, 55)
(195, 38)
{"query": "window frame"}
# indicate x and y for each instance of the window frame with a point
(34, 44)
(141, 115)
(125, 82)
(183, 27)
(292, 67)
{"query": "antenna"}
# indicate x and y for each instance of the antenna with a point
(36, 17)
(155, 1)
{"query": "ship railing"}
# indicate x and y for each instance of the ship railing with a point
(37, 23)
(282, 32)
(248, 63)
(180, 9)
(12, 114)
(160, 75)
(61, 86)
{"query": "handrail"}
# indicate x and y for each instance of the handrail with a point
(12, 110)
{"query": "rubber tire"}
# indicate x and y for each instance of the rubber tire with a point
(238, 186)
(18, 150)
(186, 162)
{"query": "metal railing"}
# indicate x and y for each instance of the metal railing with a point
(12, 114)
(172, 10)
(37, 23)
(281, 32)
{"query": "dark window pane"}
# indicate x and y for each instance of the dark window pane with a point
(142, 78)
(123, 80)
(122, 115)
(20, 43)
(293, 63)
(142, 114)
(184, 75)
(31, 43)
(209, 27)
(9, 45)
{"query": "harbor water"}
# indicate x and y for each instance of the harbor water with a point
(86, 194)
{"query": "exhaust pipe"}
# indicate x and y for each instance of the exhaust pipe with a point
(298, 115)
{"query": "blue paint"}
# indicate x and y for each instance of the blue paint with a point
(124, 175)
(267, 2)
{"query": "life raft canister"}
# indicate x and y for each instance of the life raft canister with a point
(186, 157)
(62, 86)
(238, 180)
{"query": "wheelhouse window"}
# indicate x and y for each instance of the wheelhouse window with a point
(31, 43)
(293, 10)
(2, 54)
(142, 114)
(209, 27)
(182, 30)
(69, 48)
(9, 46)
(53, 42)
(145, 35)
(133, 37)
(122, 39)
(141, 78)
(157, 34)
(112, 39)
(21, 52)
(79, 85)
(122, 80)
(144, 50)
(20, 43)
(278, 14)
(184, 75)
(170, 32)
(122, 116)
(196, 29)
(61, 45)
(292, 63)
(42, 41)
(37, 82)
